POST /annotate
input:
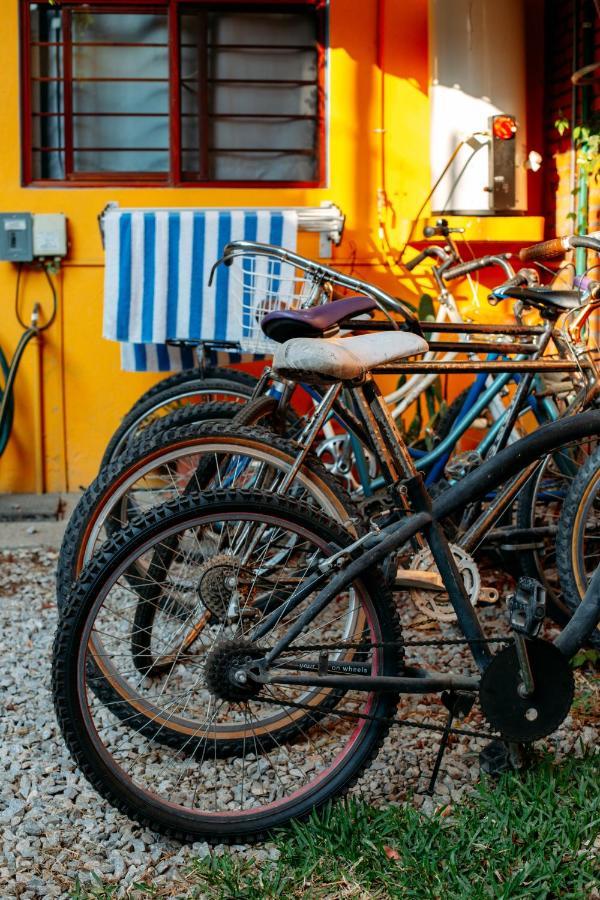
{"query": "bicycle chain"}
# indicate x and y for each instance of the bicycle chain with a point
(432, 642)
(395, 720)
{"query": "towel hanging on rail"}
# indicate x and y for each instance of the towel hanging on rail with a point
(156, 279)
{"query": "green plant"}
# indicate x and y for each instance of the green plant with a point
(586, 139)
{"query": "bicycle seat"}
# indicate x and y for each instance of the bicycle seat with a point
(319, 321)
(343, 358)
(551, 302)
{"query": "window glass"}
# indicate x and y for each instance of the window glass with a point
(120, 65)
(101, 93)
(249, 96)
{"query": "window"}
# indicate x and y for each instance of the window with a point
(173, 92)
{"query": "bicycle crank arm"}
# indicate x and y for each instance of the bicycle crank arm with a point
(427, 684)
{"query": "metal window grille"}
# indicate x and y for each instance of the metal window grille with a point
(174, 92)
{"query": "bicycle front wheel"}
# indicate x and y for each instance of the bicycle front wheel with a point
(271, 544)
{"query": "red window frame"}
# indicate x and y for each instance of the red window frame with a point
(172, 178)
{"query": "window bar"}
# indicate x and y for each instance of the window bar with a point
(44, 97)
(320, 136)
(202, 81)
(174, 95)
(67, 93)
(27, 101)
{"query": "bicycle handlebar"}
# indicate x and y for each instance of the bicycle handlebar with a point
(414, 262)
(481, 263)
(322, 272)
(559, 246)
(434, 250)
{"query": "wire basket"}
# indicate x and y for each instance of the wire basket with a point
(260, 284)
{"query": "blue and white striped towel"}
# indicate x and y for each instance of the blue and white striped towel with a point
(156, 279)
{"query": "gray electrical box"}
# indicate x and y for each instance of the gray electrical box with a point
(49, 235)
(16, 237)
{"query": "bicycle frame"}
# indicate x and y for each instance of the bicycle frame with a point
(339, 571)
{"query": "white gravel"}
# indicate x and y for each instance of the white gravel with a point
(53, 827)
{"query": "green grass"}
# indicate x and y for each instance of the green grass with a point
(530, 836)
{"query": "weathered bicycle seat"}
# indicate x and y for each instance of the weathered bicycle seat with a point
(318, 321)
(343, 359)
(551, 302)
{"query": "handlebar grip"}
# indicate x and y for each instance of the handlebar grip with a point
(413, 263)
(545, 250)
(466, 267)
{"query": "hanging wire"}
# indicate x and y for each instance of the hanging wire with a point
(10, 371)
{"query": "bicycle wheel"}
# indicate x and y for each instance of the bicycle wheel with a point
(173, 460)
(578, 538)
(199, 791)
(540, 508)
(193, 386)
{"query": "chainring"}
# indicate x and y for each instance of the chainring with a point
(525, 719)
(435, 604)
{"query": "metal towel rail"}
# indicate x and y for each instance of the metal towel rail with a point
(327, 220)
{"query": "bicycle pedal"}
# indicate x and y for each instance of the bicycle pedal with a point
(527, 607)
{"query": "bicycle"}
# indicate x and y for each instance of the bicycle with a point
(195, 386)
(306, 634)
(100, 502)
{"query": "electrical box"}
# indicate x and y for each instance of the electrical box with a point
(16, 237)
(49, 235)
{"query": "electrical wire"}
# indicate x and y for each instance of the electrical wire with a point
(438, 181)
(40, 328)
(10, 371)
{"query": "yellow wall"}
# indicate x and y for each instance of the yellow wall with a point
(85, 394)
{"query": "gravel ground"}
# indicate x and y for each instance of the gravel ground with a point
(54, 828)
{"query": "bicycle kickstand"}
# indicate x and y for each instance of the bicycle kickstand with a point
(459, 705)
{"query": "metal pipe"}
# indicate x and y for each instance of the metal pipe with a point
(309, 434)
(469, 365)
(423, 685)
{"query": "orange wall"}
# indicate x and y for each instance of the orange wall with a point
(85, 394)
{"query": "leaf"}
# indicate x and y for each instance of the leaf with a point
(390, 852)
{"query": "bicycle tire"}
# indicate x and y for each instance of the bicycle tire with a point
(101, 492)
(571, 555)
(75, 717)
(177, 388)
(563, 589)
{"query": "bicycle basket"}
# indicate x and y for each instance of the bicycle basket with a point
(260, 284)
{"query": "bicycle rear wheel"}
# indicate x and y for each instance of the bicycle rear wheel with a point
(284, 766)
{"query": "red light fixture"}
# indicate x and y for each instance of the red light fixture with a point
(504, 128)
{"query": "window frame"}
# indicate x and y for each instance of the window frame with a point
(172, 178)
